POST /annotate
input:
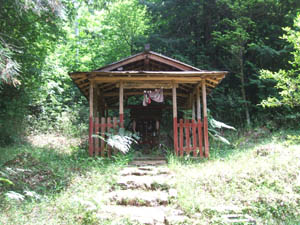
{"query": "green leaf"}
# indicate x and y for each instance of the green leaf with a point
(6, 181)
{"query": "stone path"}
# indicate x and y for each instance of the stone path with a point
(142, 194)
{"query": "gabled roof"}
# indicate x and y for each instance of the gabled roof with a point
(146, 70)
(151, 56)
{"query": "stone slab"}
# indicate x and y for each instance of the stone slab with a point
(138, 197)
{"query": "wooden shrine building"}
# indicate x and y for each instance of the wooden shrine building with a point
(185, 86)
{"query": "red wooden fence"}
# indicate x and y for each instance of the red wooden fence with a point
(190, 133)
(189, 137)
(101, 128)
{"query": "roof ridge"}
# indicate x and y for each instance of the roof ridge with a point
(147, 53)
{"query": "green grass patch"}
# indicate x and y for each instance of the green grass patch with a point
(52, 185)
(259, 179)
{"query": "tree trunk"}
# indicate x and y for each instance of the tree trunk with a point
(242, 77)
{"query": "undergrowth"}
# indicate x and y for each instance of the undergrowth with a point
(52, 185)
(256, 177)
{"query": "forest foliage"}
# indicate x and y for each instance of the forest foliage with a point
(42, 41)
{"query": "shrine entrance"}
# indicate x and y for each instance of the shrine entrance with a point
(146, 124)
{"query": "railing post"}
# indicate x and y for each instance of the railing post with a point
(97, 133)
(181, 136)
(103, 126)
(194, 126)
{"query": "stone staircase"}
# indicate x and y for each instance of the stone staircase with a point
(142, 194)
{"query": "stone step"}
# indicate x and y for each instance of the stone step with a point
(159, 182)
(150, 158)
(138, 197)
(148, 162)
(144, 215)
(142, 171)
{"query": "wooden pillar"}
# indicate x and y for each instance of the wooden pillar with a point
(100, 103)
(198, 104)
(175, 118)
(193, 107)
(91, 128)
(97, 104)
(205, 123)
(200, 138)
(96, 101)
(121, 104)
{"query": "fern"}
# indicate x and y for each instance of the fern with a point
(121, 141)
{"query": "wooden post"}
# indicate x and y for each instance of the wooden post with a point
(187, 135)
(97, 148)
(105, 110)
(198, 104)
(194, 125)
(121, 105)
(205, 124)
(193, 108)
(103, 129)
(200, 138)
(181, 136)
(175, 118)
(100, 103)
(116, 130)
(91, 101)
(109, 126)
(96, 99)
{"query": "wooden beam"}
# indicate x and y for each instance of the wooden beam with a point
(83, 85)
(212, 81)
(78, 75)
(148, 85)
(131, 93)
(107, 88)
(148, 78)
(80, 79)
(204, 74)
(183, 87)
(210, 85)
(104, 85)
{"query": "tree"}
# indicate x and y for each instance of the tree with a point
(101, 36)
(233, 35)
(235, 40)
(28, 32)
(287, 81)
(10, 39)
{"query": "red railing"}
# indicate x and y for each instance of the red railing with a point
(190, 138)
(98, 146)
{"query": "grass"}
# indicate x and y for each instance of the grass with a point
(257, 176)
(57, 187)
